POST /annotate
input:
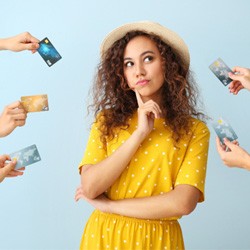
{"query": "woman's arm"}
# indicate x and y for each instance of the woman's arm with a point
(24, 41)
(178, 202)
(97, 178)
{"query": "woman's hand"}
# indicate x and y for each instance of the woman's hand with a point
(101, 203)
(147, 112)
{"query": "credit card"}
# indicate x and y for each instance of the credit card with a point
(26, 156)
(221, 70)
(224, 130)
(35, 103)
(48, 52)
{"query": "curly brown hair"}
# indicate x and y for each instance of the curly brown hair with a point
(114, 102)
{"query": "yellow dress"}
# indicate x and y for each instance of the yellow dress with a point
(156, 168)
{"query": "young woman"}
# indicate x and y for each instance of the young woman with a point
(145, 162)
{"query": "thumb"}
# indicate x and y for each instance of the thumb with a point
(235, 77)
(6, 169)
(10, 166)
(228, 143)
(218, 145)
(31, 46)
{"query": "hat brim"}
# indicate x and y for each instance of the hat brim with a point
(168, 36)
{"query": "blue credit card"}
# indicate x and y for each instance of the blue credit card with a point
(26, 156)
(48, 52)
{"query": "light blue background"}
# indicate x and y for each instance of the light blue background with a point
(37, 211)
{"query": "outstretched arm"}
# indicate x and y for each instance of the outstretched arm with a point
(178, 202)
(24, 41)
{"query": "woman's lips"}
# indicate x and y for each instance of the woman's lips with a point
(142, 82)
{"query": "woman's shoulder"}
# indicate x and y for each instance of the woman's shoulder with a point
(198, 125)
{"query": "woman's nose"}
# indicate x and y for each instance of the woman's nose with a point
(140, 70)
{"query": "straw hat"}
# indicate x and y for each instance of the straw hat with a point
(168, 36)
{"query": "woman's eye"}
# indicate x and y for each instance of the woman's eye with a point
(148, 59)
(129, 64)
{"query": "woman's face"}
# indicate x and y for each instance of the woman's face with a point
(143, 68)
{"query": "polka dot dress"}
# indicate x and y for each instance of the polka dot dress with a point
(156, 168)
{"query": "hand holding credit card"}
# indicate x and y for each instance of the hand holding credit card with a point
(26, 156)
(221, 70)
(48, 52)
(35, 103)
(224, 130)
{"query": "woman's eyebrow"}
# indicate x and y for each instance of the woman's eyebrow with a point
(147, 52)
(142, 54)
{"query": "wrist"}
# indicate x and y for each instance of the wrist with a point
(3, 131)
(3, 44)
(247, 162)
(139, 135)
(2, 134)
(111, 207)
(114, 207)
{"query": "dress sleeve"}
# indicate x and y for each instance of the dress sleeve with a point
(95, 150)
(194, 165)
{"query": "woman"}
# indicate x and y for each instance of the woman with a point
(145, 162)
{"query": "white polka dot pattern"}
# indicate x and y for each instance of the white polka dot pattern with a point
(156, 168)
